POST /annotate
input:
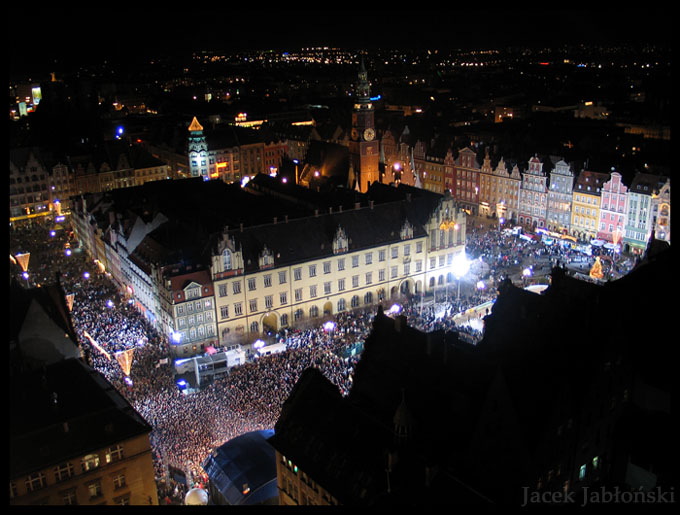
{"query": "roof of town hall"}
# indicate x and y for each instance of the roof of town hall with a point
(308, 238)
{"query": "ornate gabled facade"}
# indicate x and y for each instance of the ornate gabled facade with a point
(639, 221)
(661, 212)
(585, 207)
(30, 194)
(192, 311)
(503, 190)
(486, 183)
(559, 198)
(466, 190)
(533, 196)
(612, 209)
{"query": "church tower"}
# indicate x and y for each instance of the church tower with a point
(197, 150)
(363, 147)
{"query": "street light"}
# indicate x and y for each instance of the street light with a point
(460, 267)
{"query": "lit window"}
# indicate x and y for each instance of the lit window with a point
(90, 462)
(95, 489)
(582, 472)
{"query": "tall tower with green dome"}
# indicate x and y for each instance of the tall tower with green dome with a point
(197, 150)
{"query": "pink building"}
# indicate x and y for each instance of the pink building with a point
(612, 209)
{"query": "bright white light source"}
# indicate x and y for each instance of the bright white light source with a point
(460, 265)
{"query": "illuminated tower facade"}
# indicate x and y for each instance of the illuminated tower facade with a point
(363, 147)
(197, 150)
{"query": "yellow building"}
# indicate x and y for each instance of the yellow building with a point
(585, 207)
(75, 440)
(291, 272)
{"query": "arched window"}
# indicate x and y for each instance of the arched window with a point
(368, 298)
(226, 259)
(341, 305)
(254, 327)
(355, 301)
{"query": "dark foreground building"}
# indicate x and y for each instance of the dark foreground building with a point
(567, 394)
(75, 440)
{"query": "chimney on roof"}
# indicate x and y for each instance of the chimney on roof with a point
(340, 209)
(357, 205)
(286, 218)
(316, 212)
(370, 203)
(241, 226)
(274, 220)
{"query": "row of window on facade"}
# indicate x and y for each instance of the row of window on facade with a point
(227, 260)
(308, 492)
(368, 260)
(64, 471)
(583, 471)
(444, 260)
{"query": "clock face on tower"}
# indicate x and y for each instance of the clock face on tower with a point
(369, 134)
(355, 134)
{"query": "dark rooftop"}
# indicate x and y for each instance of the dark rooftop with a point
(65, 411)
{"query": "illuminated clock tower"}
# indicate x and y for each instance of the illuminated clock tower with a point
(363, 147)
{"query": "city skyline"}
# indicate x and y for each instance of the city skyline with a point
(64, 37)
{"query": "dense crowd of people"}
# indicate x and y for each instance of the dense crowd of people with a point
(186, 428)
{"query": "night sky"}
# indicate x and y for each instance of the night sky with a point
(77, 36)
